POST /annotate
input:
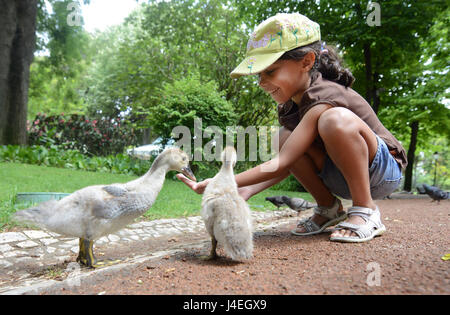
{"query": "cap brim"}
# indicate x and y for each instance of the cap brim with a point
(255, 64)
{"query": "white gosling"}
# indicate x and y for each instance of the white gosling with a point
(96, 211)
(226, 215)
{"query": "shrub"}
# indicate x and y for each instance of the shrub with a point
(98, 137)
(188, 98)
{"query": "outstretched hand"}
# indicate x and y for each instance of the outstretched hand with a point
(199, 187)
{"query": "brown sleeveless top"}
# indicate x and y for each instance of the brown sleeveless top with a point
(322, 91)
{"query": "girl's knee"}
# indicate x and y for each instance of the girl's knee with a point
(337, 121)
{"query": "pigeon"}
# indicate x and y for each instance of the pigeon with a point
(435, 193)
(421, 190)
(276, 200)
(298, 204)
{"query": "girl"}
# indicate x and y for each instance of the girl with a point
(330, 140)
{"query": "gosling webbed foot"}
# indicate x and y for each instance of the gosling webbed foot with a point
(209, 257)
(213, 254)
(87, 258)
(105, 263)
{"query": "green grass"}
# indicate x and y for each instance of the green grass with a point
(174, 200)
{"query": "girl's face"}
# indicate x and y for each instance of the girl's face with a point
(287, 79)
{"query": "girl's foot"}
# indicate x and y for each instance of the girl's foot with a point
(355, 231)
(323, 217)
(354, 219)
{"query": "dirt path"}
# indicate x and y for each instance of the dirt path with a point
(406, 260)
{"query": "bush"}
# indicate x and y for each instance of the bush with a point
(98, 137)
(180, 102)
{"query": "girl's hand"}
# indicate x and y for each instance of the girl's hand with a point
(199, 188)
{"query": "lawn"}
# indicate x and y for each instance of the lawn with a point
(175, 199)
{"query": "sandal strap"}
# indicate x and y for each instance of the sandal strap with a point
(366, 213)
(361, 211)
(309, 225)
(329, 212)
(362, 231)
(348, 226)
(372, 218)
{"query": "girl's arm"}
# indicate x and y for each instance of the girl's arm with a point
(295, 146)
(245, 192)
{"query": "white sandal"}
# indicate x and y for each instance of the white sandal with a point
(365, 232)
(330, 213)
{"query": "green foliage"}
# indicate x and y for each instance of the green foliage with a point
(164, 41)
(52, 94)
(95, 137)
(421, 88)
(72, 159)
(63, 56)
(434, 171)
(289, 184)
(113, 83)
(188, 98)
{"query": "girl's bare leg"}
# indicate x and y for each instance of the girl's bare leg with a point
(352, 145)
(305, 171)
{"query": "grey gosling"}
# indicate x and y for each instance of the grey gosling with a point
(226, 215)
(96, 211)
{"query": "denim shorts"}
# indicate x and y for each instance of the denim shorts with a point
(385, 175)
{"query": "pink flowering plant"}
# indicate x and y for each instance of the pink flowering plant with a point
(98, 137)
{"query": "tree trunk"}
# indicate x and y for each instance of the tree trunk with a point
(375, 93)
(411, 154)
(17, 44)
(368, 64)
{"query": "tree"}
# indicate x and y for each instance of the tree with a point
(164, 41)
(56, 73)
(17, 43)
(416, 103)
(19, 21)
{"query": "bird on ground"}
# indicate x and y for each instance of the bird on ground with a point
(298, 204)
(435, 193)
(276, 200)
(226, 215)
(420, 189)
(96, 211)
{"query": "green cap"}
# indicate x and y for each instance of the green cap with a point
(273, 37)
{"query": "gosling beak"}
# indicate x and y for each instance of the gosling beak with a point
(188, 172)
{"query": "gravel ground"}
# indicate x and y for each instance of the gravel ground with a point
(405, 260)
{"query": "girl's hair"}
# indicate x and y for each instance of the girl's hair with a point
(327, 62)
